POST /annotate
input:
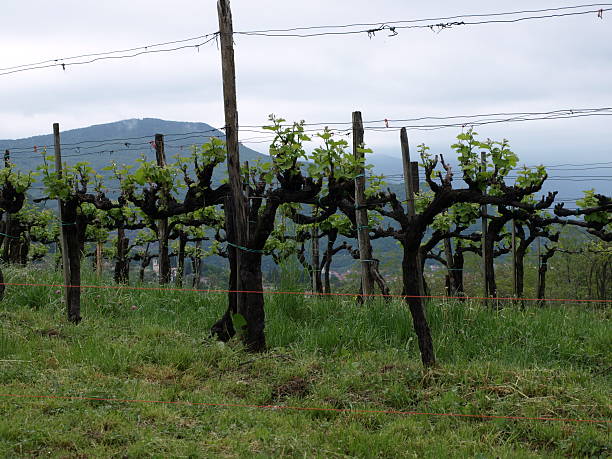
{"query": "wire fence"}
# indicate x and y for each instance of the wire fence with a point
(303, 293)
(308, 408)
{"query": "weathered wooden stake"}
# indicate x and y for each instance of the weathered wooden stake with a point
(238, 210)
(317, 287)
(7, 216)
(410, 187)
(539, 263)
(361, 213)
(514, 276)
(162, 224)
(483, 213)
(70, 256)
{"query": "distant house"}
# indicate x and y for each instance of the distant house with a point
(337, 275)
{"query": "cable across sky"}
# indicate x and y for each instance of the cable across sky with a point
(370, 29)
(434, 24)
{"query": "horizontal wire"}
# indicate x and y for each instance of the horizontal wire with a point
(306, 408)
(544, 10)
(393, 29)
(96, 59)
(104, 142)
(481, 115)
(105, 55)
(557, 114)
(274, 292)
(102, 53)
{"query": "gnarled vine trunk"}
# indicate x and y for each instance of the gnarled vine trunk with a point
(122, 264)
(196, 267)
(457, 272)
(410, 265)
(164, 256)
(489, 262)
(253, 305)
(519, 266)
(542, 274)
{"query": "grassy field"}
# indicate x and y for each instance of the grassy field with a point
(330, 353)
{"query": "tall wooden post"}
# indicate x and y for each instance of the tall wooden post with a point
(160, 150)
(410, 187)
(162, 224)
(483, 213)
(238, 210)
(60, 203)
(7, 216)
(361, 213)
(70, 255)
(514, 276)
(317, 287)
(539, 263)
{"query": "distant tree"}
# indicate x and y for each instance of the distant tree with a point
(155, 190)
(13, 188)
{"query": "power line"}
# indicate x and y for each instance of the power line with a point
(105, 56)
(447, 18)
(145, 47)
(393, 26)
(116, 141)
(513, 117)
(372, 28)
(565, 111)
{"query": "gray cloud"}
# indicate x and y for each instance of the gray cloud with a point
(542, 65)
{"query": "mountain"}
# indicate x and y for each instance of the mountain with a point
(385, 164)
(122, 141)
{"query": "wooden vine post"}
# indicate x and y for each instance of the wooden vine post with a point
(514, 276)
(237, 211)
(317, 286)
(7, 215)
(485, 255)
(538, 264)
(361, 213)
(162, 224)
(71, 258)
(409, 180)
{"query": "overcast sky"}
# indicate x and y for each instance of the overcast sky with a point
(530, 66)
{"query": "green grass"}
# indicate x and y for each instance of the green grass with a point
(331, 353)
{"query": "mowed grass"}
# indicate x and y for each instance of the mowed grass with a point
(149, 345)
